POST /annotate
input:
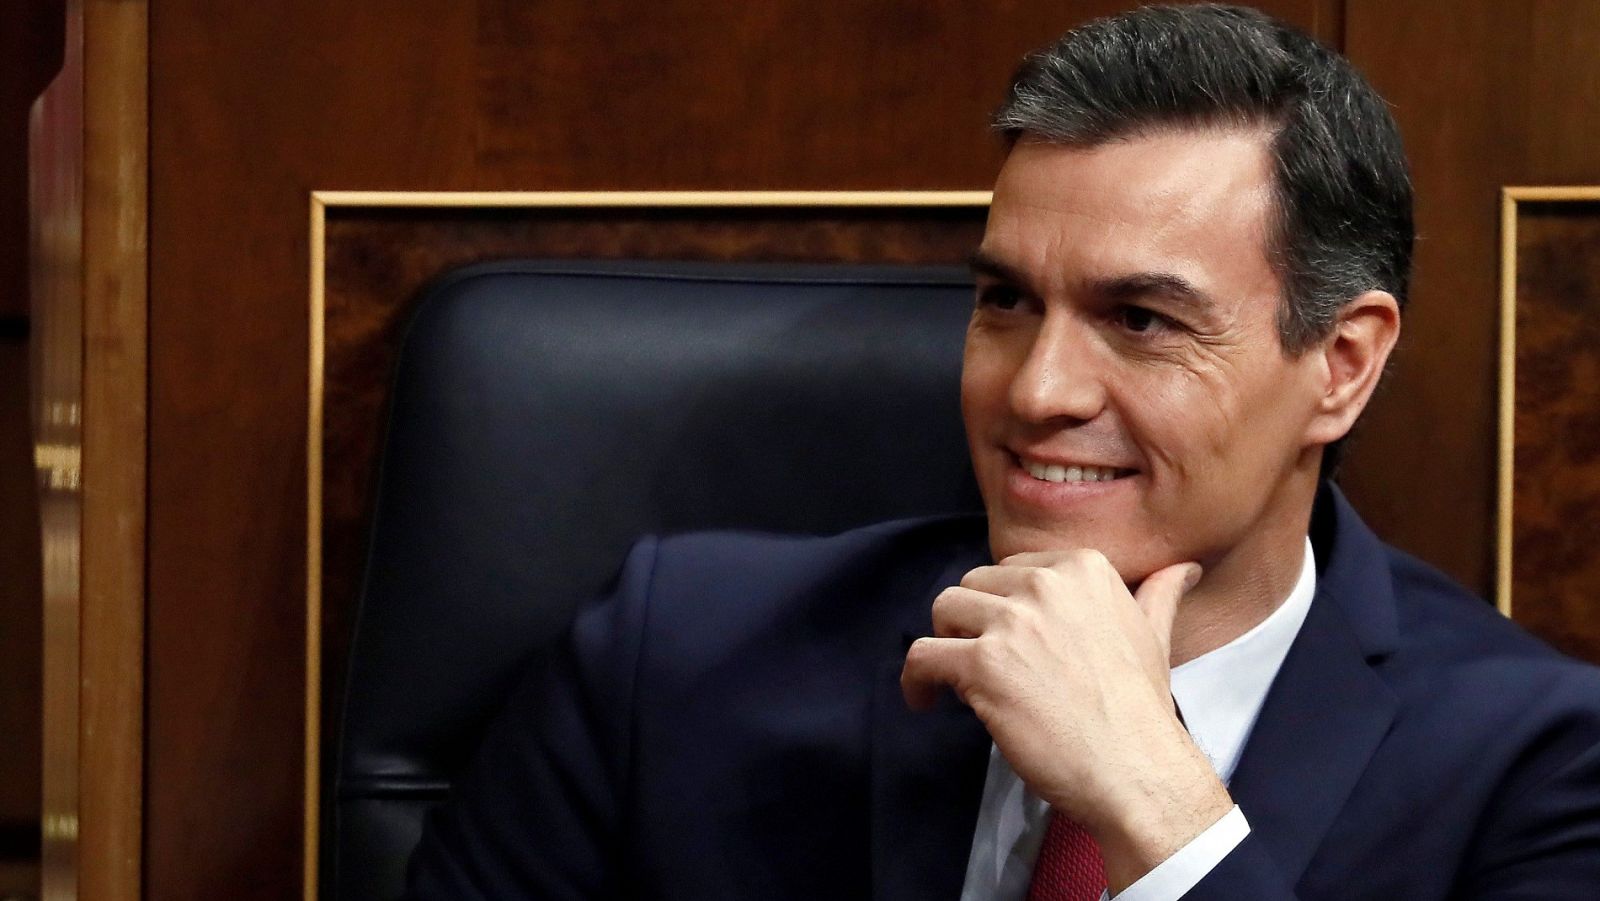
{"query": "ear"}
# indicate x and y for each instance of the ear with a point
(1353, 358)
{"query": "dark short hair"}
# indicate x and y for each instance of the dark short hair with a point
(1341, 185)
(1342, 190)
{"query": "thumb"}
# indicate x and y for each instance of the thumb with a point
(1160, 593)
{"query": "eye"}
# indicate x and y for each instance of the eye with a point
(1138, 319)
(999, 296)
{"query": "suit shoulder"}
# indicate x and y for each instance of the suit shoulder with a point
(1435, 608)
(762, 603)
(1489, 656)
(781, 558)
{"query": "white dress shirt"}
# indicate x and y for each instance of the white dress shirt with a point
(1220, 694)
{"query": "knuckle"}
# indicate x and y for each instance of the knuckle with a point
(1010, 615)
(1092, 558)
(917, 653)
(981, 657)
(1041, 581)
(988, 654)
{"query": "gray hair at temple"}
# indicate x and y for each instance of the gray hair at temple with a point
(1342, 190)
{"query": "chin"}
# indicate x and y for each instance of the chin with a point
(1133, 566)
(1008, 540)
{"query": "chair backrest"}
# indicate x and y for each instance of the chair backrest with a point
(545, 414)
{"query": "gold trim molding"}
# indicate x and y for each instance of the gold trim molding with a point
(321, 202)
(624, 199)
(1510, 197)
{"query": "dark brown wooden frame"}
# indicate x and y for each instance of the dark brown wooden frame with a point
(1510, 199)
(321, 202)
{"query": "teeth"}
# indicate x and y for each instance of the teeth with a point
(1057, 473)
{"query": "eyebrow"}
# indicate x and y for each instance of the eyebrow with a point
(1163, 284)
(982, 263)
(1168, 285)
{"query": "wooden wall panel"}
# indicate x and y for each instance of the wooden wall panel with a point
(112, 564)
(255, 105)
(1487, 94)
(1555, 572)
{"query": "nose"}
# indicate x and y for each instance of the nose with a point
(1060, 378)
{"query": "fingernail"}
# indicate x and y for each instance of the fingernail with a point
(1193, 577)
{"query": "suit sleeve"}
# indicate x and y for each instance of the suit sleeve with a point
(1176, 875)
(1247, 872)
(1539, 840)
(1544, 840)
(537, 814)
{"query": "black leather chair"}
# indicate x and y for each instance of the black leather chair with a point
(545, 414)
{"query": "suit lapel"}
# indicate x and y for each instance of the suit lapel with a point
(927, 778)
(1328, 708)
(1325, 715)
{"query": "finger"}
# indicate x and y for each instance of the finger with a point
(960, 612)
(1160, 593)
(931, 664)
(1010, 580)
(999, 579)
(1086, 557)
(1075, 565)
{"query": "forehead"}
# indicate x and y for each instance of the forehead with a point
(1195, 203)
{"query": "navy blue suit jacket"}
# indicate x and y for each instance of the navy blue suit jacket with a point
(729, 724)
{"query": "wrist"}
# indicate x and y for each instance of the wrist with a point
(1166, 806)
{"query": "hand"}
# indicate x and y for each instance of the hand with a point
(1070, 673)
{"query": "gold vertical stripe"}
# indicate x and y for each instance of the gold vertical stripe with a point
(1508, 382)
(313, 726)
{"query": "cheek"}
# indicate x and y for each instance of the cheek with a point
(985, 380)
(972, 393)
(1181, 421)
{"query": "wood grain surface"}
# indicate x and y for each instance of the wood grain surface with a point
(112, 564)
(1487, 95)
(1555, 571)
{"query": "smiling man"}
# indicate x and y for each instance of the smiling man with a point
(1171, 662)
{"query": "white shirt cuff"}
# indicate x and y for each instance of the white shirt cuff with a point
(1173, 877)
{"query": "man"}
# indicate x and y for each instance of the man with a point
(1189, 286)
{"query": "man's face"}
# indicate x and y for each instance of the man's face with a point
(1124, 386)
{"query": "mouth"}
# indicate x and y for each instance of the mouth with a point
(1070, 473)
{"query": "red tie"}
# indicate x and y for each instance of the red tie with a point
(1069, 866)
